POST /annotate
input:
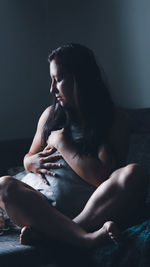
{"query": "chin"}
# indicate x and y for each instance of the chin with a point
(62, 103)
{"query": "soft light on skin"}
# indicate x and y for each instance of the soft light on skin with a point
(62, 85)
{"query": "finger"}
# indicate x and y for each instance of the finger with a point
(48, 147)
(42, 176)
(46, 152)
(44, 171)
(52, 165)
(52, 158)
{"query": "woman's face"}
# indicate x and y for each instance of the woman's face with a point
(62, 84)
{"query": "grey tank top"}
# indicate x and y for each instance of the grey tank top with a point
(67, 192)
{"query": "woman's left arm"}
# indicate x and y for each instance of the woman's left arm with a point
(92, 170)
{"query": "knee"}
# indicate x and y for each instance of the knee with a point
(4, 181)
(7, 188)
(133, 175)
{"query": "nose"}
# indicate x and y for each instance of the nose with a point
(53, 88)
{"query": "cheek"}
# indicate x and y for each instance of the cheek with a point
(63, 89)
(68, 94)
(68, 89)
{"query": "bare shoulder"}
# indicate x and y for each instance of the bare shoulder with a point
(119, 135)
(38, 142)
(43, 118)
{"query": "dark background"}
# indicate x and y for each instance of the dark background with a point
(117, 31)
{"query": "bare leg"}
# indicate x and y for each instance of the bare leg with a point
(117, 199)
(109, 231)
(28, 207)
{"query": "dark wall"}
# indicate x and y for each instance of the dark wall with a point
(117, 31)
(24, 73)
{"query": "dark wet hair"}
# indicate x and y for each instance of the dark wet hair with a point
(91, 97)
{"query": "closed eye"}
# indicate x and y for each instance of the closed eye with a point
(59, 79)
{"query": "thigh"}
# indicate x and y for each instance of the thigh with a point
(119, 198)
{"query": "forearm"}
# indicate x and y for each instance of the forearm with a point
(88, 168)
(28, 162)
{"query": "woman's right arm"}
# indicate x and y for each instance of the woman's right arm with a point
(37, 160)
(31, 158)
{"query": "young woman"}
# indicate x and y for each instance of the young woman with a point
(76, 161)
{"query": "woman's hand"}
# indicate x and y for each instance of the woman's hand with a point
(55, 138)
(41, 162)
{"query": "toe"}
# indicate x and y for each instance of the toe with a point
(113, 231)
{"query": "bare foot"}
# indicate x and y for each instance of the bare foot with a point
(29, 237)
(108, 232)
(112, 231)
